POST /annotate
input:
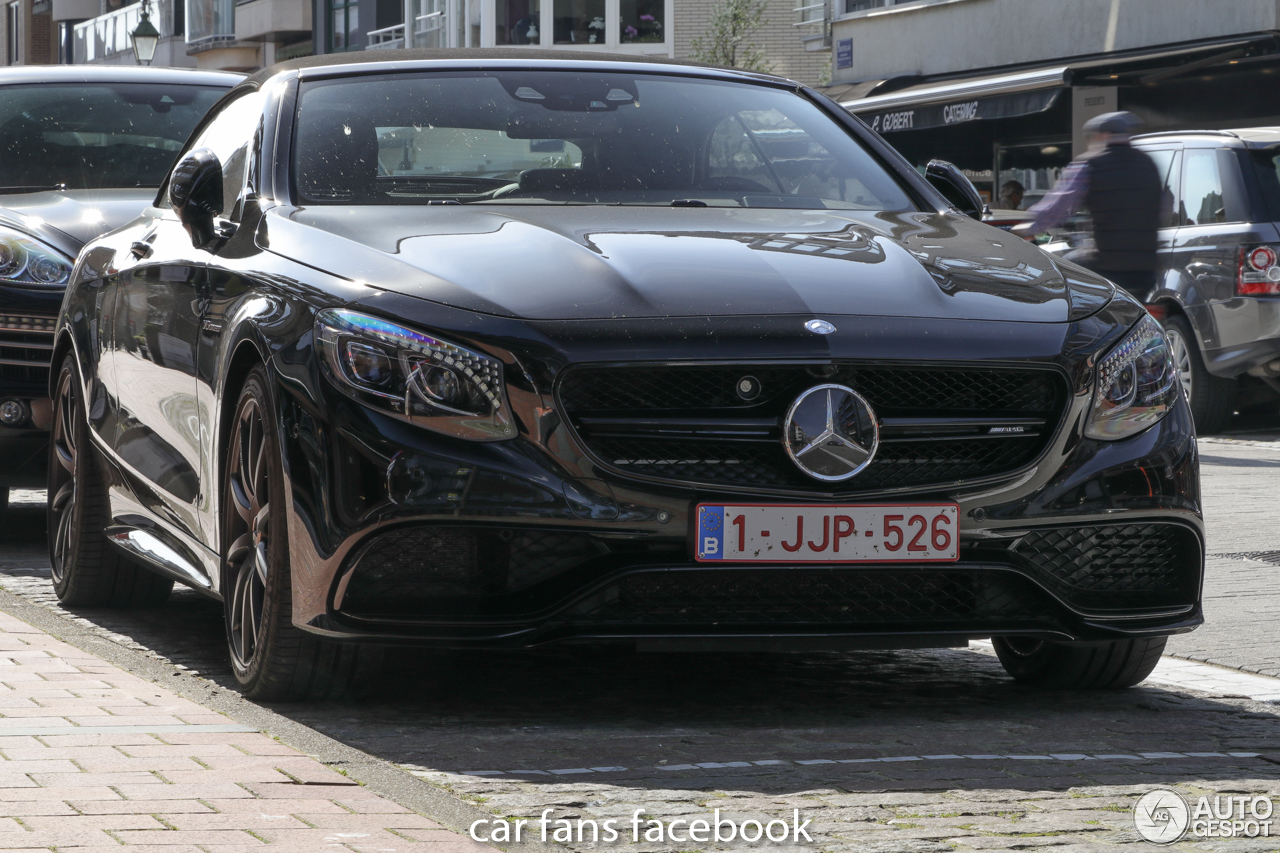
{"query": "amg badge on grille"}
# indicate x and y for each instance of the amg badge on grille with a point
(831, 432)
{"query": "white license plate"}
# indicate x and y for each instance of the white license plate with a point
(822, 533)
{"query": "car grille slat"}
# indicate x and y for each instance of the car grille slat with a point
(26, 345)
(726, 597)
(687, 424)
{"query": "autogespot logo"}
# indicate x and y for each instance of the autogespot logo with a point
(1161, 816)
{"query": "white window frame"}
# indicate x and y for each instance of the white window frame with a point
(611, 43)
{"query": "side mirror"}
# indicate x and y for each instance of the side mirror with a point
(955, 187)
(195, 191)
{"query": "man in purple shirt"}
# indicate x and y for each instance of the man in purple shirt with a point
(1120, 187)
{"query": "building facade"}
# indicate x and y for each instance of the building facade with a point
(1003, 87)
(644, 27)
(219, 34)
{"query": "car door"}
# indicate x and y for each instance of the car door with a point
(163, 294)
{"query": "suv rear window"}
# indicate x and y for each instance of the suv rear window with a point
(1267, 167)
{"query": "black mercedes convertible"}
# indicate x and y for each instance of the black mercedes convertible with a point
(486, 349)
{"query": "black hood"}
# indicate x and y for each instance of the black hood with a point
(67, 219)
(555, 262)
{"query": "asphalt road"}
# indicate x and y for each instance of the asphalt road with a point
(915, 751)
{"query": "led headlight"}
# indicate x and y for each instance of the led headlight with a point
(25, 260)
(1137, 384)
(414, 376)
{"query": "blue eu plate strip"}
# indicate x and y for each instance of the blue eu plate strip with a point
(711, 532)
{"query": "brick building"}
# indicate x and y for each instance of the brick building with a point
(26, 33)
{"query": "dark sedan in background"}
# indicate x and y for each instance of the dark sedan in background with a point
(81, 152)
(493, 349)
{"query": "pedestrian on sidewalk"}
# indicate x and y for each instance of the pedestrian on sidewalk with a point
(1121, 189)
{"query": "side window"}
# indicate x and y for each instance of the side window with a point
(1202, 200)
(733, 156)
(231, 136)
(1168, 162)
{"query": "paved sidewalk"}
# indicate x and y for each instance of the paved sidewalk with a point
(93, 758)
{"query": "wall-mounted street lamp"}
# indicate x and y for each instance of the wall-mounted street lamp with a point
(145, 37)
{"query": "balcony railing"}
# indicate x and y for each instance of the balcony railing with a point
(386, 38)
(428, 28)
(210, 23)
(108, 34)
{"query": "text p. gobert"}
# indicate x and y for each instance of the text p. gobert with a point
(639, 828)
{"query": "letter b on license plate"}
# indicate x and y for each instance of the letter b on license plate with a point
(821, 533)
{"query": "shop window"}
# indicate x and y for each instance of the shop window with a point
(579, 21)
(641, 21)
(517, 22)
(345, 23)
(1035, 168)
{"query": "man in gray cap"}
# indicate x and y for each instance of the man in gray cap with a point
(1121, 189)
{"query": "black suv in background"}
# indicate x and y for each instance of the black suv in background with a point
(1218, 289)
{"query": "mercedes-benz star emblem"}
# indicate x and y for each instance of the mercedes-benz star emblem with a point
(820, 327)
(831, 433)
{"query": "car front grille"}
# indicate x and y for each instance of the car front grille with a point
(26, 345)
(1116, 566)
(565, 577)
(923, 600)
(688, 424)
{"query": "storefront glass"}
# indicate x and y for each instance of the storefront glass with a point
(1036, 167)
(579, 21)
(517, 22)
(640, 21)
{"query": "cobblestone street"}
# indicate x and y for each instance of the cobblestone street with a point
(882, 751)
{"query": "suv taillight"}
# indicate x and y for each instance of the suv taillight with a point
(1259, 271)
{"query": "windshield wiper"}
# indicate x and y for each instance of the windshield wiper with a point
(33, 189)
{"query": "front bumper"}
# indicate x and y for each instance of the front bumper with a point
(401, 536)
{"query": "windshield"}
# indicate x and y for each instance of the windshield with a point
(567, 137)
(95, 136)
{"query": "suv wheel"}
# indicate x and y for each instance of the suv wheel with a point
(87, 571)
(1212, 398)
(272, 659)
(1091, 666)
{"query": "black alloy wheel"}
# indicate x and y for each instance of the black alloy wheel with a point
(271, 658)
(1107, 665)
(87, 570)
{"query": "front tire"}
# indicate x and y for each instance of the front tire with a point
(271, 658)
(1212, 398)
(1079, 666)
(87, 571)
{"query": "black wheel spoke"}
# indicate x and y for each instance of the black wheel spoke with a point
(247, 529)
(240, 548)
